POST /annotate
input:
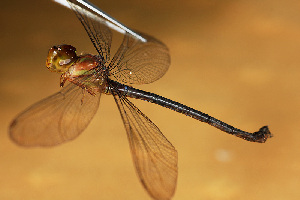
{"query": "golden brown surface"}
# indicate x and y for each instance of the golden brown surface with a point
(236, 60)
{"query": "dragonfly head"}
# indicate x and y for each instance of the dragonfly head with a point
(60, 58)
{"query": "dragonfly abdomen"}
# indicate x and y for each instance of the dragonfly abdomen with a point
(259, 136)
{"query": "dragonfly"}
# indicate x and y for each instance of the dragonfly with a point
(140, 59)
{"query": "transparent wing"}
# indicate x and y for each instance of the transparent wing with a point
(154, 156)
(138, 62)
(55, 119)
(96, 28)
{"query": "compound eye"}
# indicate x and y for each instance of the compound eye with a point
(60, 58)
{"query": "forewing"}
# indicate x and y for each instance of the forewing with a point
(138, 62)
(96, 28)
(58, 118)
(154, 156)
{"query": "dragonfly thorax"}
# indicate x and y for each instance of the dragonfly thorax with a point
(87, 71)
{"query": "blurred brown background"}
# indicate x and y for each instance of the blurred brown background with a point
(236, 60)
